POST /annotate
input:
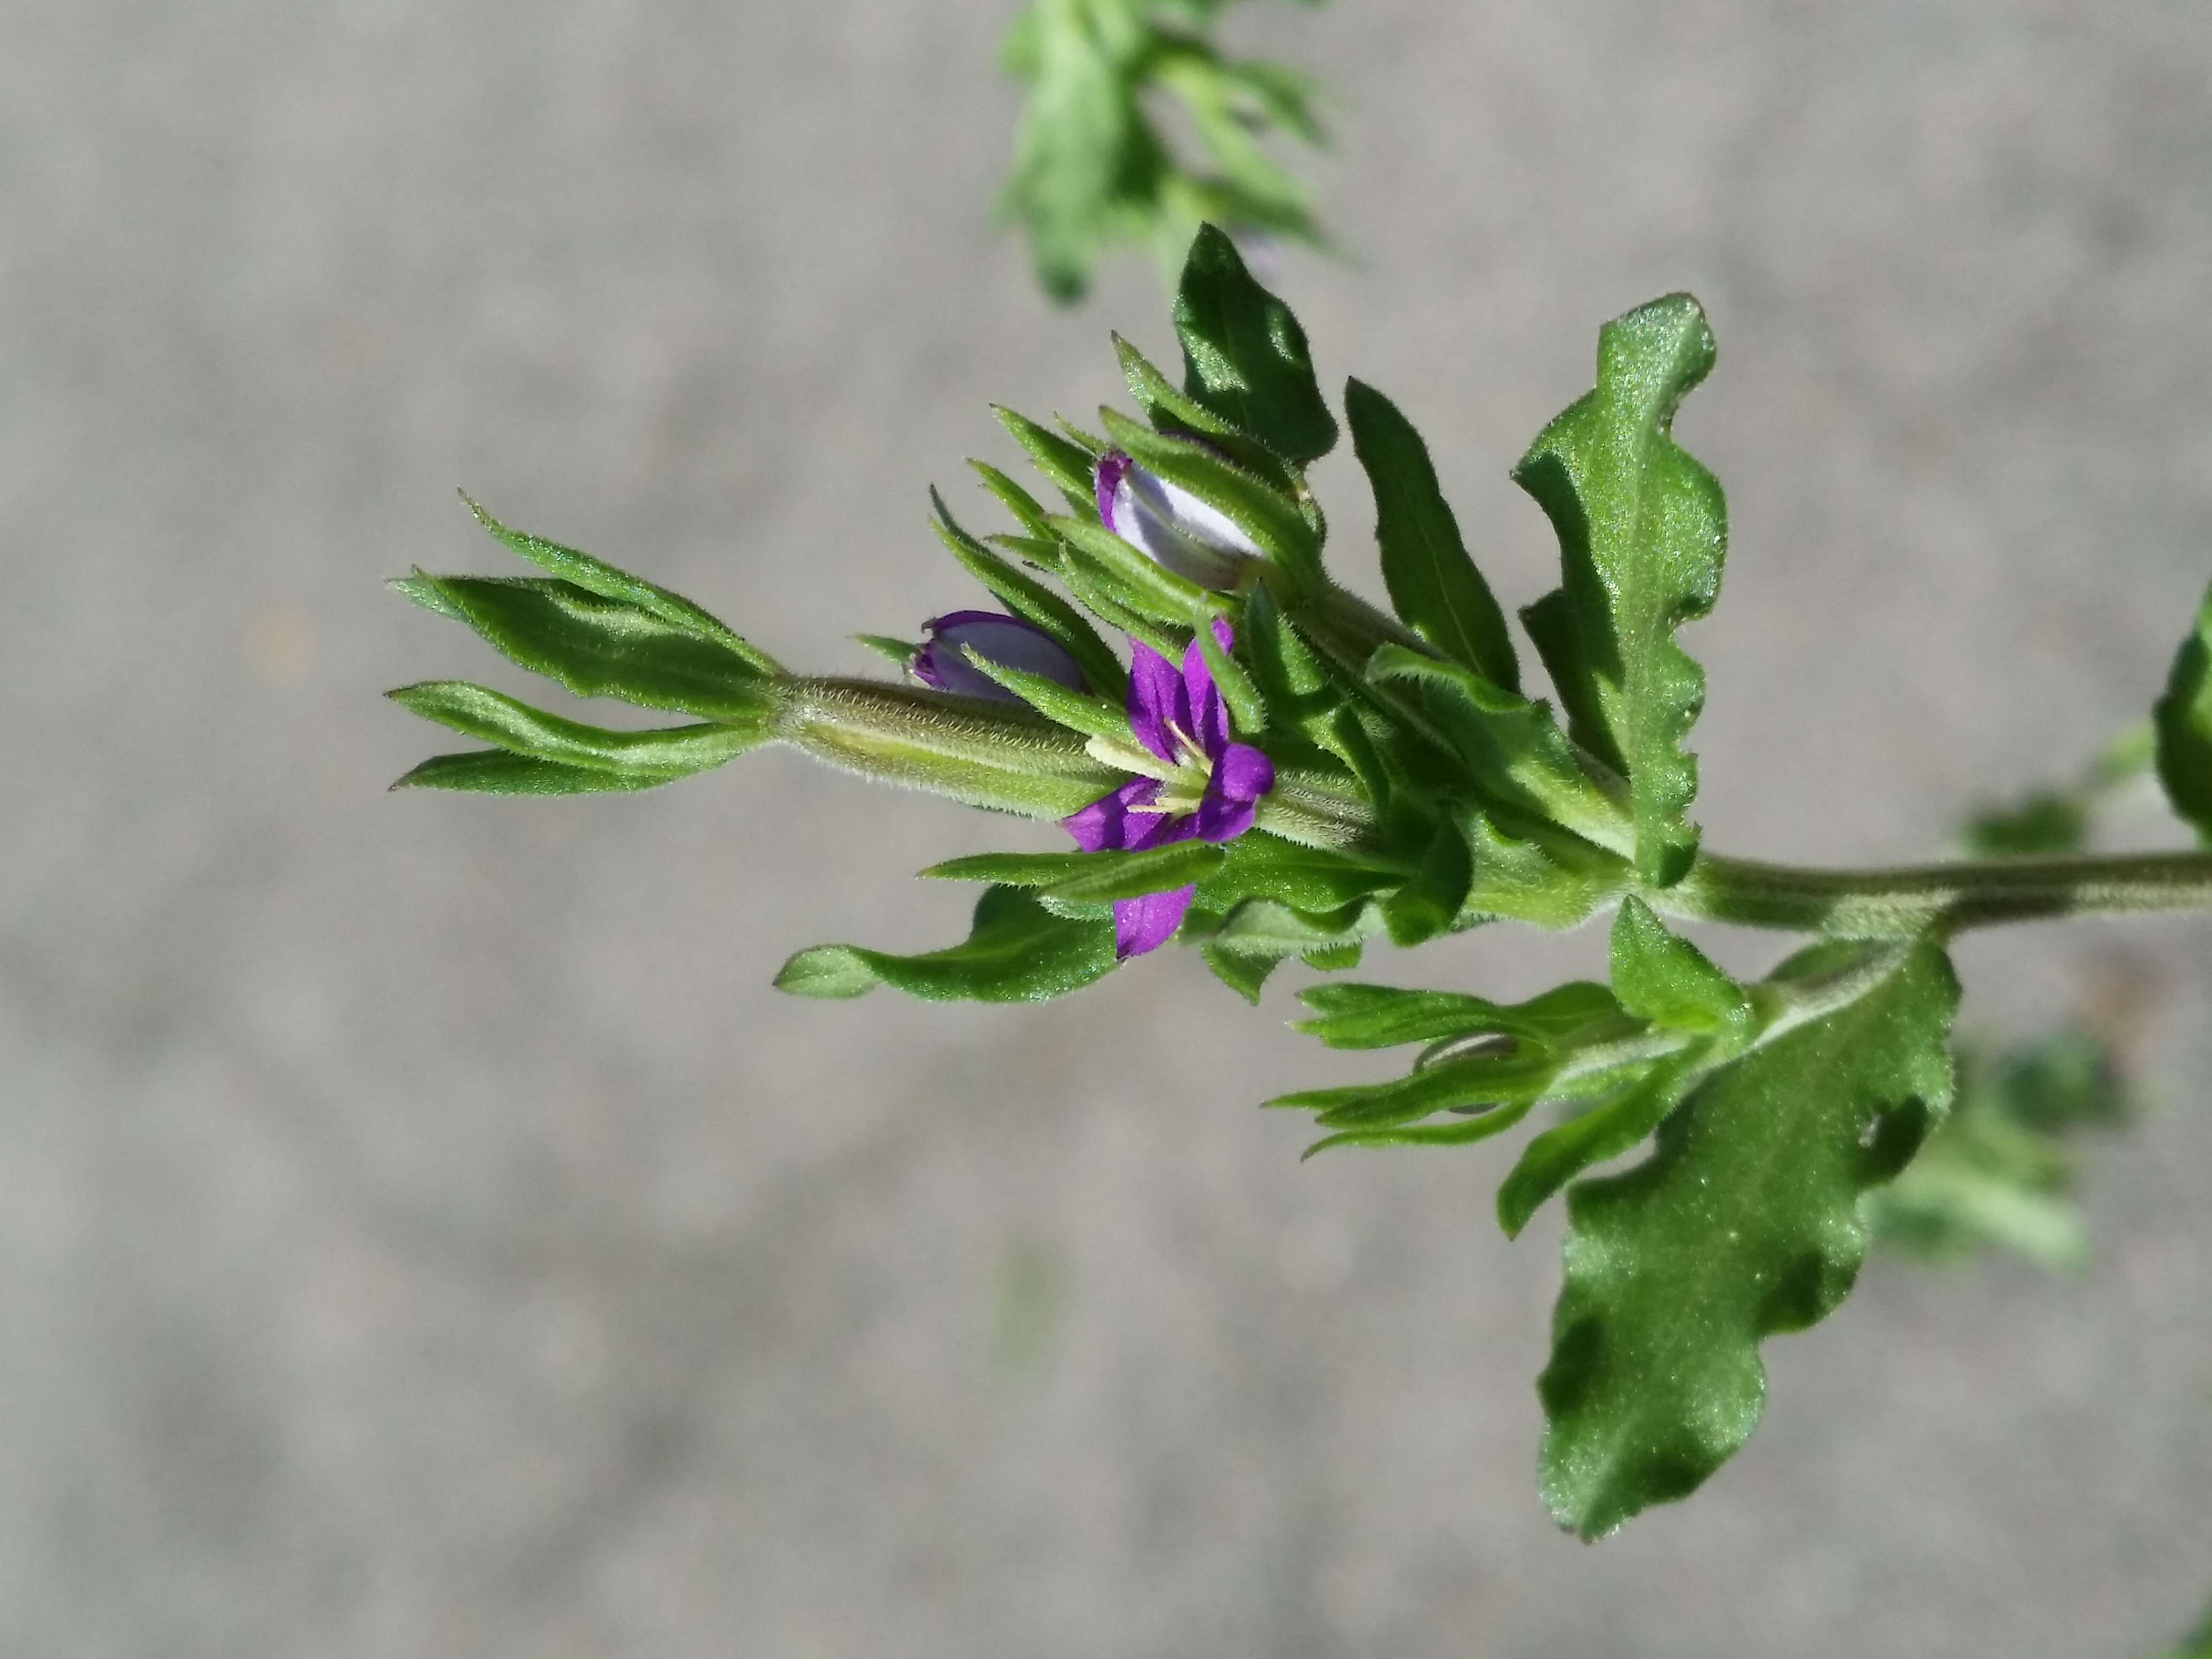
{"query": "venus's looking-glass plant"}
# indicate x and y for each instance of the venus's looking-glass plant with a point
(1278, 770)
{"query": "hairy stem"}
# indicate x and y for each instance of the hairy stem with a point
(1900, 902)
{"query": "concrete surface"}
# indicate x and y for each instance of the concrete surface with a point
(423, 1231)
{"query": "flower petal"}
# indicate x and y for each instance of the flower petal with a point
(1157, 696)
(1147, 923)
(1009, 642)
(1242, 773)
(1209, 715)
(1108, 485)
(1110, 824)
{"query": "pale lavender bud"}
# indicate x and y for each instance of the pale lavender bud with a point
(1008, 641)
(1170, 527)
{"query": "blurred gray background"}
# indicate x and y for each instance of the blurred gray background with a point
(422, 1230)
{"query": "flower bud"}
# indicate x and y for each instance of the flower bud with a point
(1008, 641)
(1170, 527)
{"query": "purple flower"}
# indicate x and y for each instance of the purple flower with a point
(1198, 782)
(1008, 641)
(1169, 526)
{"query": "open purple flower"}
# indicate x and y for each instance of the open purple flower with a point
(1169, 526)
(1008, 641)
(1196, 782)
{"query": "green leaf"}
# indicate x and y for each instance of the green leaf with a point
(1112, 876)
(1743, 1223)
(1257, 865)
(1244, 354)
(1670, 982)
(1613, 1126)
(660, 754)
(1643, 530)
(595, 576)
(1380, 1016)
(1431, 902)
(2183, 718)
(1035, 603)
(1017, 951)
(1512, 1075)
(1434, 586)
(1066, 466)
(500, 772)
(1481, 1126)
(1546, 877)
(1511, 748)
(595, 646)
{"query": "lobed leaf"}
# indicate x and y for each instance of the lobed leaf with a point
(1643, 531)
(1744, 1223)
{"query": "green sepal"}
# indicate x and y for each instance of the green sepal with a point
(1431, 902)
(1133, 580)
(1248, 710)
(1245, 356)
(1434, 586)
(1035, 603)
(1016, 951)
(1094, 717)
(596, 576)
(593, 645)
(1291, 681)
(899, 653)
(1027, 511)
(1111, 600)
(660, 754)
(1613, 1126)
(502, 772)
(1743, 1223)
(1064, 465)
(1670, 981)
(1643, 531)
(2184, 720)
(1512, 749)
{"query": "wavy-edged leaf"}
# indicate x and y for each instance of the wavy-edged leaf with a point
(660, 754)
(1744, 1223)
(1017, 951)
(1544, 876)
(1481, 1127)
(593, 645)
(1434, 586)
(1643, 531)
(596, 576)
(1245, 357)
(2184, 719)
(1509, 1076)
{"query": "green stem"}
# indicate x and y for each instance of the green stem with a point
(1898, 903)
